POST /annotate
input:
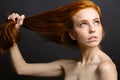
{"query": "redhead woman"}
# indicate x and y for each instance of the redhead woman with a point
(77, 24)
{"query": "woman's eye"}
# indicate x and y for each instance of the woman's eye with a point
(83, 25)
(97, 22)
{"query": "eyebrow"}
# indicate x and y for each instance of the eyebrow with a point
(96, 18)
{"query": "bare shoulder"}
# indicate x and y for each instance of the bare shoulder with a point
(106, 66)
(107, 70)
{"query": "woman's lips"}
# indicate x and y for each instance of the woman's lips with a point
(92, 38)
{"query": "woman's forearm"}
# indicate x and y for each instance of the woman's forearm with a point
(17, 59)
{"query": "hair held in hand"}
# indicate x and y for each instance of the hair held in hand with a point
(8, 35)
(54, 25)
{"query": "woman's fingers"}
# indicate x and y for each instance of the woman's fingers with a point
(20, 21)
(17, 18)
(13, 16)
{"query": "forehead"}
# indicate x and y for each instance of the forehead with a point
(86, 14)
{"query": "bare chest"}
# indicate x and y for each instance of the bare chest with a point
(88, 72)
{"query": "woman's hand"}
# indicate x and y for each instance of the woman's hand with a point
(17, 18)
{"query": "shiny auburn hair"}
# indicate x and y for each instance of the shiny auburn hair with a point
(53, 24)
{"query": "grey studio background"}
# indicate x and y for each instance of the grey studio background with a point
(35, 48)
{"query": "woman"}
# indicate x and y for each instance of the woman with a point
(77, 24)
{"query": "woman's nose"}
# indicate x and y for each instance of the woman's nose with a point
(91, 29)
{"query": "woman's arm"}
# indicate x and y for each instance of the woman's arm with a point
(107, 71)
(33, 69)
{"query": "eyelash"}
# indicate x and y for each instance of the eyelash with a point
(98, 22)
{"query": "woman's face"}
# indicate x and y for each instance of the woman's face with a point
(87, 29)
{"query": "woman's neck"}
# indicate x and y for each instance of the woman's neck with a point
(89, 54)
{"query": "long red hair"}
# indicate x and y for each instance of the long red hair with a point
(53, 24)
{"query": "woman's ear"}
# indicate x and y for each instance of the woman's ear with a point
(72, 35)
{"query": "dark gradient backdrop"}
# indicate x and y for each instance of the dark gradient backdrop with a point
(35, 48)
